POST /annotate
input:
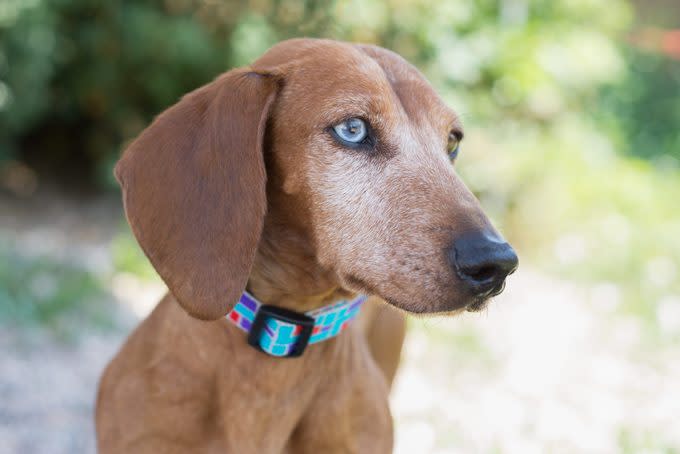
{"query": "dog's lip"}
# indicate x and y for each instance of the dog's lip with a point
(498, 289)
(474, 304)
(477, 305)
(481, 301)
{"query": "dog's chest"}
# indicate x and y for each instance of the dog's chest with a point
(357, 421)
(333, 401)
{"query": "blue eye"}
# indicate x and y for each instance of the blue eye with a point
(352, 131)
(453, 146)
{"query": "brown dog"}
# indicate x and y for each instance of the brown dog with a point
(319, 172)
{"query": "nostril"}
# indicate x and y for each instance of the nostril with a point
(482, 274)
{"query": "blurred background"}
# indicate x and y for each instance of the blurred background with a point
(572, 115)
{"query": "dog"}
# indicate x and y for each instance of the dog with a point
(317, 183)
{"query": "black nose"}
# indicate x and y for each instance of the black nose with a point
(483, 261)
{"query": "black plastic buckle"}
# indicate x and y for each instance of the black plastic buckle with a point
(285, 315)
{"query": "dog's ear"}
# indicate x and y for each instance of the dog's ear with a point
(194, 190)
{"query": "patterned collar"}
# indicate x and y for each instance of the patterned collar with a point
(285, 333)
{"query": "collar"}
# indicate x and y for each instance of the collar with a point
(286, 333)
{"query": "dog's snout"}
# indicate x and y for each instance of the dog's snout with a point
(483, 262)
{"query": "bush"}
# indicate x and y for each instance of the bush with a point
(79, 74)
(80, 77)
(41, 291)
(643, 109)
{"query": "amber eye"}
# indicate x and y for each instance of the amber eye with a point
(453, 146)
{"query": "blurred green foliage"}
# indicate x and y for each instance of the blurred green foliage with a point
(643, 109)
(633, 440)
(79, 76)
(128, 257)
(63, 298)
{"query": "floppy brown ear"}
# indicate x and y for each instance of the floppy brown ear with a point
(194, 190)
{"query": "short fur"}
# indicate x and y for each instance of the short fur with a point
(241, 185)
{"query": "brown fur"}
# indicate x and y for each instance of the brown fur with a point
(240, 184)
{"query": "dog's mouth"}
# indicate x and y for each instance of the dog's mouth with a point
(474, 303)
(481, 301)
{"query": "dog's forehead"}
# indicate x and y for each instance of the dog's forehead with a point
(418, 98)
(331, 79)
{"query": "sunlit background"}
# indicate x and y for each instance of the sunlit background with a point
(572, 115)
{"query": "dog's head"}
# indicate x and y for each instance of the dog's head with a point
(358, 150)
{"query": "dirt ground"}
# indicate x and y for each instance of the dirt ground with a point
(550, 366)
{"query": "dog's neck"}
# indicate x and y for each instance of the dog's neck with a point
(286, 273)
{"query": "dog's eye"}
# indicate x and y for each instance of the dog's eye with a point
(453, 146)
(352, 131)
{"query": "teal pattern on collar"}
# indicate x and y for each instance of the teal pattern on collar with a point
(279, 338)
